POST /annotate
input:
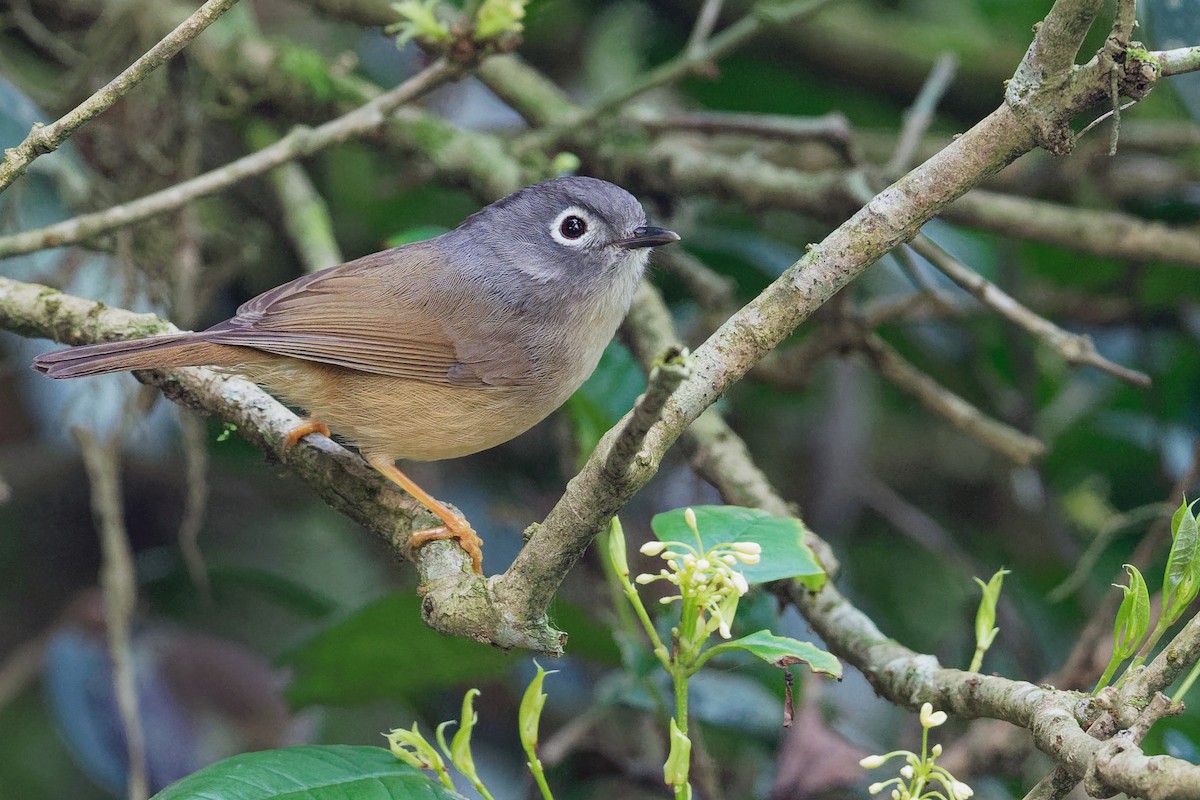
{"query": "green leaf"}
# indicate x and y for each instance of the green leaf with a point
(384, 650)
(783, 652)
(784, 553)
(326, 772)
(985, 616)
(1133, 617)
(1182, 578)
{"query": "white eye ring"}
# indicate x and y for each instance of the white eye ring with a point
(556, 227)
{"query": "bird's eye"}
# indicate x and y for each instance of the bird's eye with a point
(572, 227)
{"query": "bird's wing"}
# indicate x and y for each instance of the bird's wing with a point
(371, 315)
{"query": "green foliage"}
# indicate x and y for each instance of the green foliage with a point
(784, 551)
(1182, 579)
(418, 20)
(326, 772)
(1133, 620)
(780, 651)
(985, 617)
(384, 651)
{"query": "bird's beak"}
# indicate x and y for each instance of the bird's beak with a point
(647, 237)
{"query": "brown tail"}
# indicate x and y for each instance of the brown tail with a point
(155, 352)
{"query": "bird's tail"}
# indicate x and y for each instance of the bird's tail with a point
(155, 352)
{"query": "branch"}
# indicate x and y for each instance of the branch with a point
(1179, 60)
(118, 579)
(1017, 447)
(1075, 348)
(298, 143)
(45, 139)
(918, 118)
(670, 369)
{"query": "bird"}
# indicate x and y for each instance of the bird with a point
(435, 349)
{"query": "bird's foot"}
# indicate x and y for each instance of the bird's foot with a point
(461, 531)
(305, 427)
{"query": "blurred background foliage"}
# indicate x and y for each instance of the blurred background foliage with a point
(302, 608)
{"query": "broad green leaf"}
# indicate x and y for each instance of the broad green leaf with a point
(325, 772)
(783, 652)
(784, 553)
(1182, 578)
(384, 650)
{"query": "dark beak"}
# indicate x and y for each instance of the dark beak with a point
(647, 237)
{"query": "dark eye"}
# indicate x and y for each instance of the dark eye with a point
(572, 227)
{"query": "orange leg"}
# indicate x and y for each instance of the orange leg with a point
(455, 526)
(304, 429)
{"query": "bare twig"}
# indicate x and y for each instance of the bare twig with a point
(918, 118)
(45, 139)
(1009, 442)
(1075, 348)
(195, 477)
(119, 581)
(712, 50)
(705, 21)
(296, 144)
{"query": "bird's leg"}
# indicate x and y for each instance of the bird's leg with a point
(455, 527)
(306, 426)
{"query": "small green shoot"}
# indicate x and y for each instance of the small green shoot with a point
(985, 618)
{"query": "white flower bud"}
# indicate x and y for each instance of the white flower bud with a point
(936, 750)
(895, 794)
(689, 517)
(931, 718)
(962, 791)
(723, 629)
(872, 762)
(739, 583)
(875, 788)
(645, 578)
(653, 548)
(702, 564)
(747, 548)
(729, 559)
(906, 771)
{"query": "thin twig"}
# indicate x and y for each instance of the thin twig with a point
(832, 128)
(1075, 348)
(713, 50)
(920, 115)
(45, 139)
(705, 21)
(195, 477)
(119, 581)
(298, 143)
(1009, 442)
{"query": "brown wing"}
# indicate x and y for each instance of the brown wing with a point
(367, 315)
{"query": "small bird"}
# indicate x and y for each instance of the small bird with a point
(436, 349)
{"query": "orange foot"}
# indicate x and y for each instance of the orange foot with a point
(454, 525)
(304, 429)
(461, 531)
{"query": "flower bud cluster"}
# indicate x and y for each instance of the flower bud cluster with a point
(920, 774)
(710, 579)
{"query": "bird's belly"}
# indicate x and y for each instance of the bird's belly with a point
(404, 419)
